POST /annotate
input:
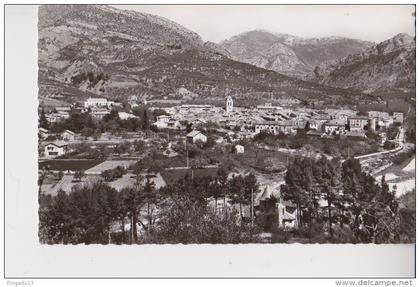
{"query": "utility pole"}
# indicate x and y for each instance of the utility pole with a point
(132, 228)
(187, 158)
(252, 213)
(252, 207)
(186, 150)
(109, 235)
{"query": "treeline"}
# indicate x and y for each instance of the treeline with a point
(338, 146)
(333, 202)
(86, 125)
(91, 77)
(193, 210)
(341, 200)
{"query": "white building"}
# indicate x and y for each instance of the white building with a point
(68, 135)
(63, 109)
(268, 108)
(195, 136)
(398, 117)
(195, 108)
(56, 149)
(314, 125)
(198, 122)
(358, 123)
(133, 98)
(383, 119)
(274, 127)
(174, 124)
(162, 121)
(229, 104)
(239, 148)
(98, 102)
(56, 117)
(334, 126)
(385, 122)
(167, 122)
(287, 215)
(126, 116)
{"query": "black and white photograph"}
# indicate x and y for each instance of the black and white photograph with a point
(199, 140)
(152, 133)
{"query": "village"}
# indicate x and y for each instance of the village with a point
(170, 143)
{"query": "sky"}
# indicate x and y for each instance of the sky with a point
(219, 22)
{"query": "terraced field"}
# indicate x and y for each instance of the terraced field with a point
(68, 164)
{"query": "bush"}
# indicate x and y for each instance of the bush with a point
(113, 174)
(400, 158)
(389, 145)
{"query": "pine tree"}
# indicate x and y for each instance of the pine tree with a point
(236, 187)
(145, 120)
(222, 179)
(250, 186)
(298, 189)
(150, 198)
(43, 122)
(328, 177)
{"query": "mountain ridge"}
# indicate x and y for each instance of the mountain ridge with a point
(91, 49)
(388, 64)
(298, 56)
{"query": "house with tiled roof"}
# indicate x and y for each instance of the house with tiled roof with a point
(68, 135)
(274, 127)
(195, 136)
(334, 126)
(55, 149)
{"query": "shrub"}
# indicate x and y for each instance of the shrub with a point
(389, 145)
(113, 174)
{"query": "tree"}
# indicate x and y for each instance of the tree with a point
(380, 218)
(87, 132)
(122, 213)
(145, 121)
(214, 190)
(132, 200)
(43, 122)
(236, 192)
(307, 127)
(250, 189)
(139, 146)
(268, 214)
(150, 198)
(159, 112)
(328, 177)
(189, 127)
(222, 179)
(185, 220)
(55, 220)
(389, 145)
(78, 175)
(112, 174)
(373, 209)
(298, 188)
(82, 216)
(352, 190)
(407, 217)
